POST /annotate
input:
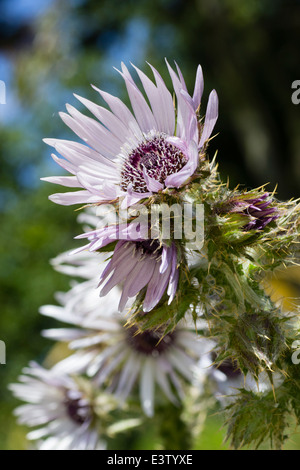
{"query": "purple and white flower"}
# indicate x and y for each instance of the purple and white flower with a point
(137, 263)
(121, 358)
(140, 264)
(60, 411)
(257, 210)
(227, 379)
(134, 155)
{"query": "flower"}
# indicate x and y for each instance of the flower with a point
(260, 211)
(144, 263)
(137, 263)
(226, 379)
(62, 413)
(119, 357)
(257, 211)
(133, 155)
(140, 264)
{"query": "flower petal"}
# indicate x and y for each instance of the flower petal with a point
(152, 184)
(210, 118)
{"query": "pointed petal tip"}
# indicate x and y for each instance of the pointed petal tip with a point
(69, 107)
(82, 235)
(149, 413)
(95, 88)
(117, 70)
(53, 198)
(49, 141)
(101, 294)
(214, 95)
(147, 308)
(62, 114)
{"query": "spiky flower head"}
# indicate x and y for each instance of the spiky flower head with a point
(119, 357)
(135, 155)
(61, 411)
(138, 263)
(256, 212)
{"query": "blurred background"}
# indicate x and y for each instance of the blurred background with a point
(249, 51)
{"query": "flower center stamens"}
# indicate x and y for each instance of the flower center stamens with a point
(78, 409)
(149, 342)
(158, 157)
(149, 247)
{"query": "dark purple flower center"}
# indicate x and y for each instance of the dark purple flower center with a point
(230, 368)
(149, 342)
(77, 409)
(149, 247)
(159, 158)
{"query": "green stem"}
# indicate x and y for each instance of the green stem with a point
(173, 431)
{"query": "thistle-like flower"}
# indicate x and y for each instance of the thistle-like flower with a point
(117, 356)
(61, 412)
(227, 379)
(134, 155)
(257, 211)
(138, 263)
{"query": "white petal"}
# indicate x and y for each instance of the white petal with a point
(210, 118)
(139, 105)
(161, 102)
(109, 120)
(198, 90)
(120, 109)
(147, 387)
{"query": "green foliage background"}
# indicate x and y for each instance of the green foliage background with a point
(249, 51)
